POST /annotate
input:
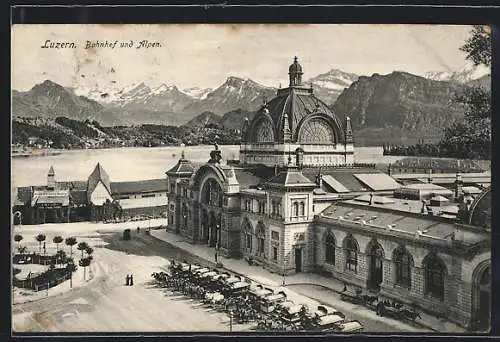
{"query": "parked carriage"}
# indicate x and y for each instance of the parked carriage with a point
(397, 310)
(269, 303)
(350, 327)
(323, 310)
(236, 289)
(354, 296)
(329, 323)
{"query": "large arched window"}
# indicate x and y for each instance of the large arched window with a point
(351, 253)
(434, 276)
(330, 248)
(212, 193)
(403, 263)
(265, 132)
(316, 131)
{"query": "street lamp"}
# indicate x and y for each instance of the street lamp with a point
(217, 231)
(284, 271)
(230, 320)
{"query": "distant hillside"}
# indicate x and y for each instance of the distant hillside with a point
(399, 103)
(51, 100)
(203, 120)
(234, 119)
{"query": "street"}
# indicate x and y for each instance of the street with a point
(104, 303)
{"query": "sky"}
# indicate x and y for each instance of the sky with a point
(204, 56)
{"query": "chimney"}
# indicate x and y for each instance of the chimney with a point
(458, 185)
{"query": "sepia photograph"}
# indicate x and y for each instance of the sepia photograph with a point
(251, 178)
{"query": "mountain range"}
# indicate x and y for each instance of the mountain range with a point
(400, 100)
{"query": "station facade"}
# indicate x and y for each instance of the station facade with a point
(297, 202)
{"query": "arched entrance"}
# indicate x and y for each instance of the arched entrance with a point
(375, 255)
(482, 307)
(211, 198)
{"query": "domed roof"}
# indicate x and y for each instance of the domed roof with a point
(480, 211)
(295, 66)
(296, 105)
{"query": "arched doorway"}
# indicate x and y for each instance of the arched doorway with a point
(375, 255)
(482, 314)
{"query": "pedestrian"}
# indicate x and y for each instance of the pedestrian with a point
(127, 283)
(131, 280)
(345, 288)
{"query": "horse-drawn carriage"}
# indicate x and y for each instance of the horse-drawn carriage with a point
(323, 310)
(354, 296)
(269, 303)
(397, 310)
(350, 327)
(329, 323)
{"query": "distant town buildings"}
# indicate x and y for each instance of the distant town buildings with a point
(95, 199)
(296, 201)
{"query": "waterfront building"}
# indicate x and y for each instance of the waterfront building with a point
(296, 201)
(95, 199)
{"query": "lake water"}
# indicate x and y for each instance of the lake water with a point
(127, 164)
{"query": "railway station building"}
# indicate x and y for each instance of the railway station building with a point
(296, 201)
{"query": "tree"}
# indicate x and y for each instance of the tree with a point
(70, 268)
(57, 240)
(89, 251)
(71, 241)
(40, 238)
(478, 45)
(471, 138)
(60, 256)
(85, 262)
(82, 246)
(18, 238)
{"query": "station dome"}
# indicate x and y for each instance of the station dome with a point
(295, 115)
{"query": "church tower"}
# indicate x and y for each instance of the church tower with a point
(51, 181)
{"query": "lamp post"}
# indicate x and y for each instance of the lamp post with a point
(217, 231)
(230, 320)
(284, 271)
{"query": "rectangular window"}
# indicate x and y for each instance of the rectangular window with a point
(275, 235)
(275, 253)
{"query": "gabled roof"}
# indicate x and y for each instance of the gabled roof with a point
(71, 185)
(183, 167)
(51, 171)
(136, 187)
(290, 177)
(78, 196)
(98, 175)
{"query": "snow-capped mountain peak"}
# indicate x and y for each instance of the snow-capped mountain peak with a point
(197, 92)
(464, 75)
